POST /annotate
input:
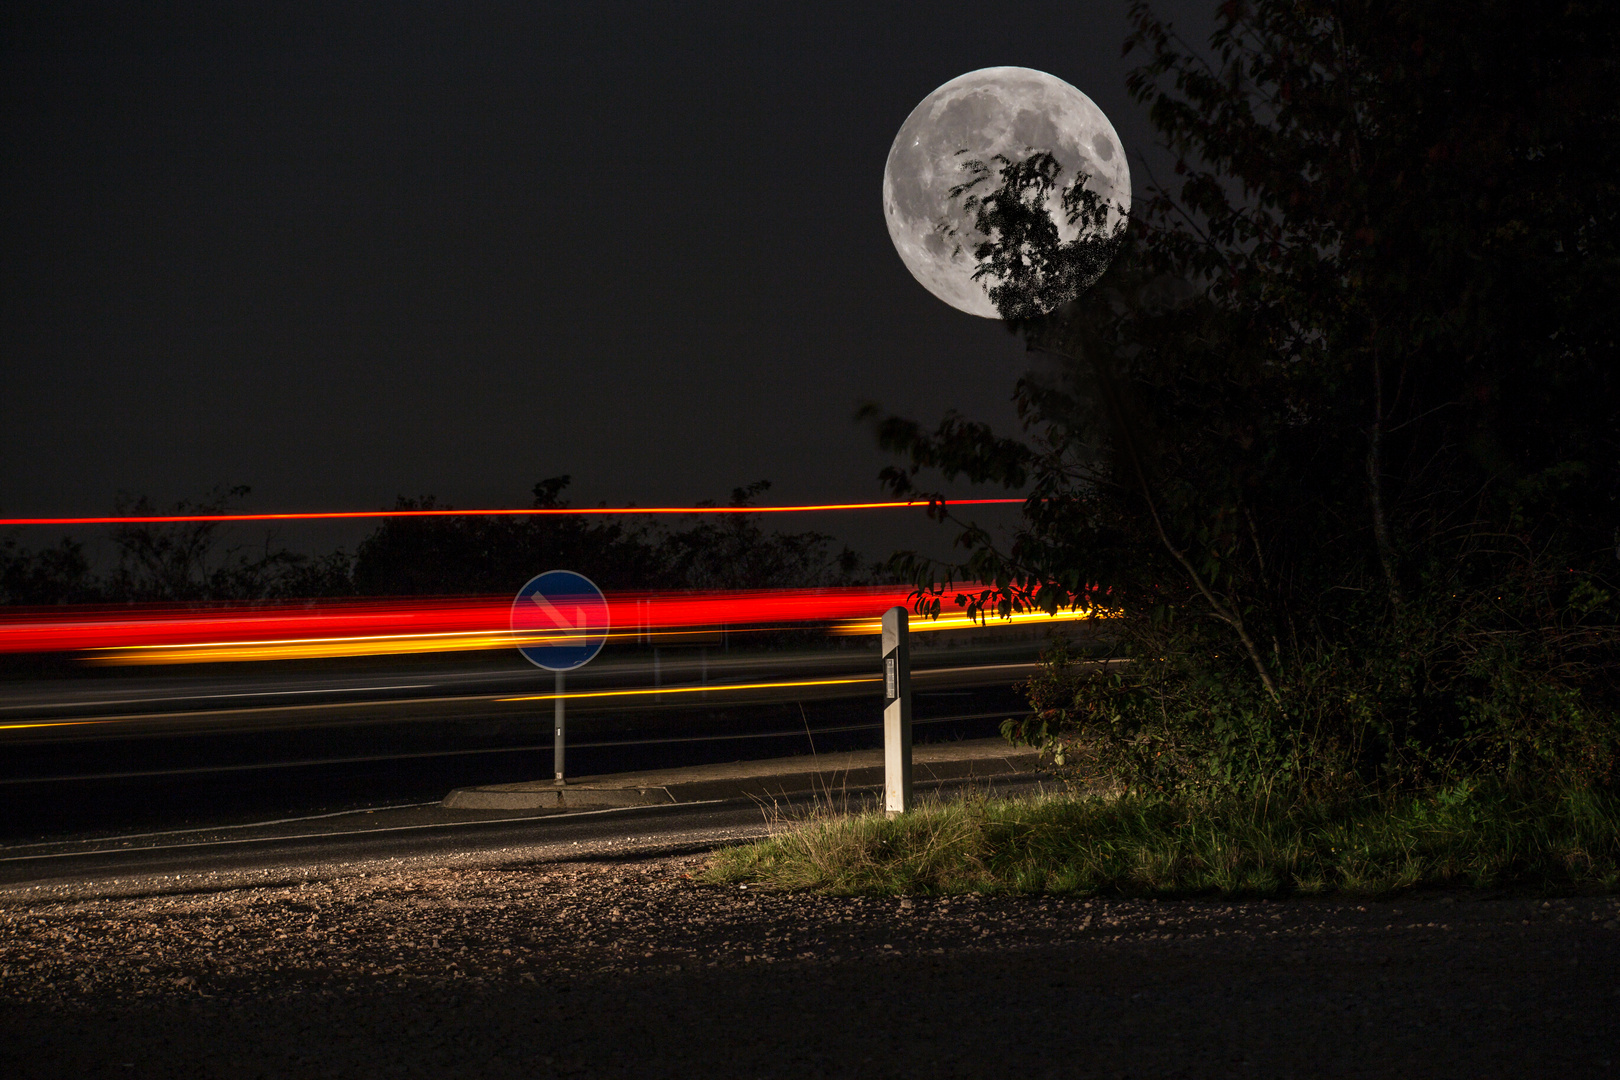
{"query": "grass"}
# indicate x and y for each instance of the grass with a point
(1560, 841)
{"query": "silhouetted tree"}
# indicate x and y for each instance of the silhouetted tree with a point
(733, 551)
(1029, 269)
(54, 575)
(455, 555)
(187, 562)
(452, 555)
(1339, 429)
(482, 555)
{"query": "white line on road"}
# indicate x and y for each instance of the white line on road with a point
(336, 835)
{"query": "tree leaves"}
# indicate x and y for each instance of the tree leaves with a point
(1342, 414)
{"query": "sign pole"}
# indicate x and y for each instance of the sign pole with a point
(557, 713)
(570, 617)
(896, 712)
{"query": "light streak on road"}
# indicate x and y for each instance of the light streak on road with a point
(550, 511)
(62, 630)
(214, 652)
(575, 695)
(786, 688)
(964, 621)
(977, 674)
(75, 629)
(32, 724)
(473, 751)
(170, 635)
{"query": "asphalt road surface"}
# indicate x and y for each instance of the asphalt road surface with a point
(295, 848)
(150, 750)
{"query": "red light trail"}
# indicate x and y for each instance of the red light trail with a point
(161, 634)
(74, 629)
(345, 515)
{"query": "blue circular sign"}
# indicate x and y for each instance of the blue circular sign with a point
(561, 618)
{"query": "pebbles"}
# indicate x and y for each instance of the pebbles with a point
(592, 931)
(431, 927)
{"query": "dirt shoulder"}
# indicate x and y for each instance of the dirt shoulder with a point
(629, 968)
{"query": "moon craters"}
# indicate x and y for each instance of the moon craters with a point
(1005, 110)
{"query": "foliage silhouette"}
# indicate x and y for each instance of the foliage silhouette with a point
(176, 564)
(1338, 431)
(188, 563)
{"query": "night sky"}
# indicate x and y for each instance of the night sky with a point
(345, 253)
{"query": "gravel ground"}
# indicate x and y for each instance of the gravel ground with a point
(627, 968)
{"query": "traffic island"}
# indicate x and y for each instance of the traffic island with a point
(850, 773)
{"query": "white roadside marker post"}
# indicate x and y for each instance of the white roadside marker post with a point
(559, 728)
(896, 713)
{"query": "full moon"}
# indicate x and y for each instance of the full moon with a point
(1013, 111)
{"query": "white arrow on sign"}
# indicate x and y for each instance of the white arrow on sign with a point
(577, 628)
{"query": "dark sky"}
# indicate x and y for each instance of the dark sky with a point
(346, 253)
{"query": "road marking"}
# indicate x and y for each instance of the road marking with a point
(711, 687)
(370, 758)
(217, 828)
(355, 832)
(210, 697)
(195, 714)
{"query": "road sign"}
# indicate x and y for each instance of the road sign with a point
(569, 616)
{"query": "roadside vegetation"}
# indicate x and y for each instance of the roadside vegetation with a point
(1151, 846)
(1337, 436)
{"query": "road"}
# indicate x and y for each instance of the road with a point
(143, 750)
(99, 705)
(312, 848)
(412, 941)
(351, 841)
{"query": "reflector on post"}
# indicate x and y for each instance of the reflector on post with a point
(896, 712)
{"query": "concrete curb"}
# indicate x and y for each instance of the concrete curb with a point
(826, 773)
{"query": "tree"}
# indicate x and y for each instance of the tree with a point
(734, 552)
(453, 555)
(482, 556)
(48, 576)
(1338, 432)
(187, 563)
(179, 563)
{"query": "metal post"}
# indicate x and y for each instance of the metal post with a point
(561, 728)
(896, 713)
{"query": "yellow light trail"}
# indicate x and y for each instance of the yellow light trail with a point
(712, 688)
(211, 652)
(47, 723)
(574, 695)
(922, 624)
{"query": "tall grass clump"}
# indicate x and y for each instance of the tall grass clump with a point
(1151, 845)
